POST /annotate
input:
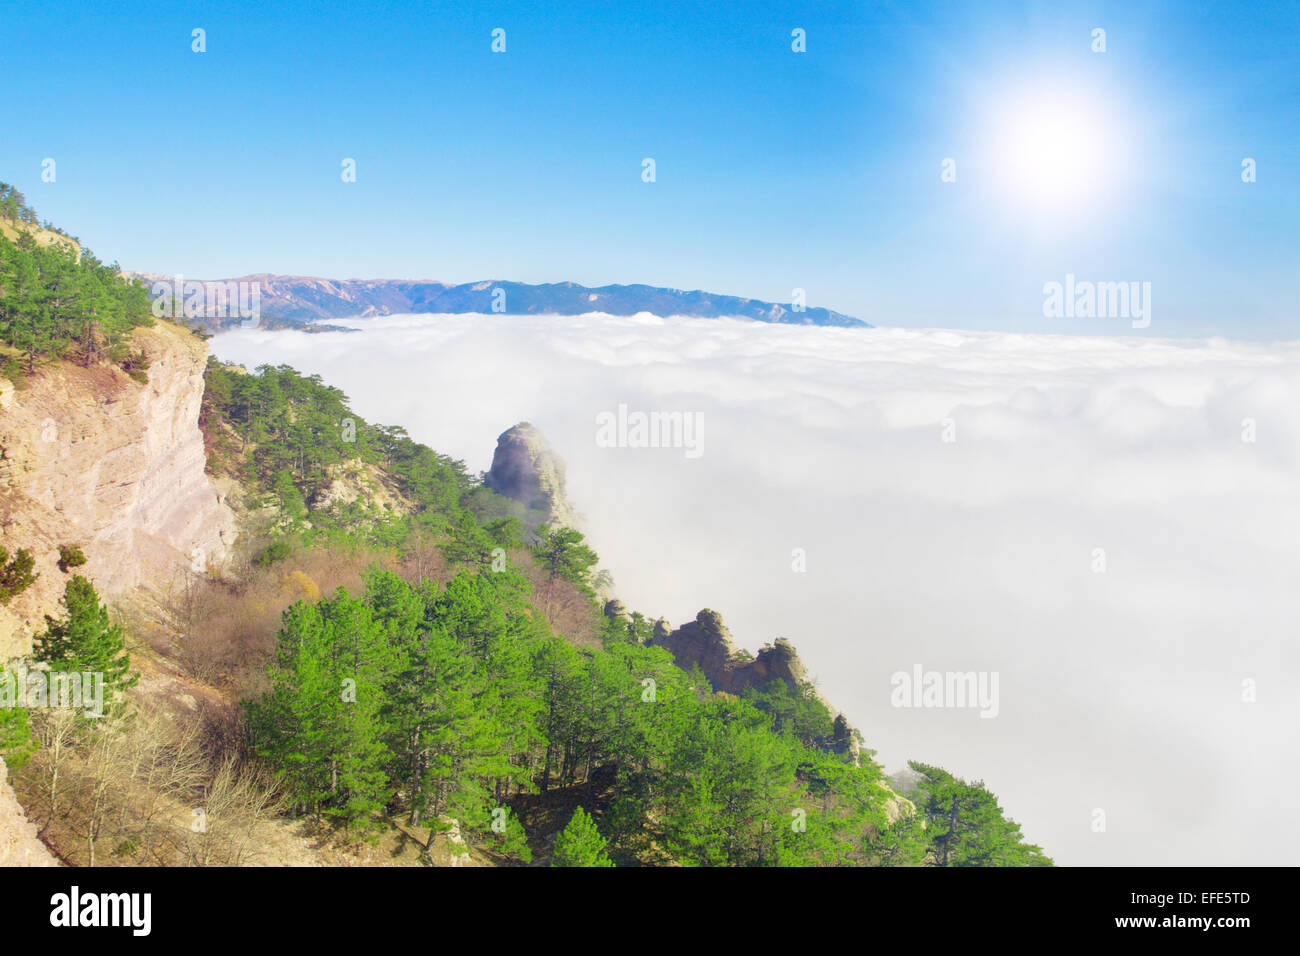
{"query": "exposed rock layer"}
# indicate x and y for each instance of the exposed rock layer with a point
(92, 457)
(19, 845)
(705, 642)
(526, 469)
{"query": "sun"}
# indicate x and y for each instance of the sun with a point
(1055, 150)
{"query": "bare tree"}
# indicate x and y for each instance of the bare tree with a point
(237, 801)
(47, 771)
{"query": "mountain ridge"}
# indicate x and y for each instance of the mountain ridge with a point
(304, 299)
(260, 543)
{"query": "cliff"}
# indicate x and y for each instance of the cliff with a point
(525, 469)
(89, 456)
(19, 844)
(705, 642)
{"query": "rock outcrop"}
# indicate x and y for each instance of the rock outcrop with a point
(706, 643)
(358, 482)
(525, 469)
(19, 844)
(91, 457)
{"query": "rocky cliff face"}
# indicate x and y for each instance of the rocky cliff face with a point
(94, 458)
(19, 845)
(706, 642)
(526, 469)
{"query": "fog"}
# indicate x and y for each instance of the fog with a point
(1111, 526)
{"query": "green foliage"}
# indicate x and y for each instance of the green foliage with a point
(13, 206)
(456, 702)
(17, 743)
(511, 838)
(507, 532)
(281, 421)
(465, 702)
(288, 436)
(321, 722)
(135, 364)
(562, 554)
(272, 553)
(85, 640)
(288, 495)
(580, 843)
(16, 573)
(298, 426)
(966, 827)
(800, 713)
(470, 543)
(56, 304)
(621, 627)
(70, 556)
(903, 841)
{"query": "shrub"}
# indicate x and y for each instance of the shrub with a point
(276, 551)
(580, 843)
(70, 556)
(136, 364)
(15, 574)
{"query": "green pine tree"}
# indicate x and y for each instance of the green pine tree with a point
(16, 573)
(580, 843)
(561, 552)
(86, 640)
(965, 825)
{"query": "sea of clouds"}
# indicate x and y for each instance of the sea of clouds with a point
(954, 495)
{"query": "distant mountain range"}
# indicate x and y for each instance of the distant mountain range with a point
(295, 300)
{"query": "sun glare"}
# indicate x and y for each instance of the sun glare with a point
(1055, 151)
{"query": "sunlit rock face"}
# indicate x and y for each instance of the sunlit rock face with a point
(706, 642)
(525, 469)
(19, 844)
(88, 456)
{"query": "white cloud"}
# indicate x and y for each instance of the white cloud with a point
(1119, 691)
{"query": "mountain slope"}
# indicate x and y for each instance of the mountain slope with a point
(90, 456)
(494, 683)
(11, 230)
(303, 298)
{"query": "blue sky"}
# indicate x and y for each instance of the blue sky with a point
(775, 169)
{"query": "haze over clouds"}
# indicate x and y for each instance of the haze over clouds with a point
(1120, 691)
